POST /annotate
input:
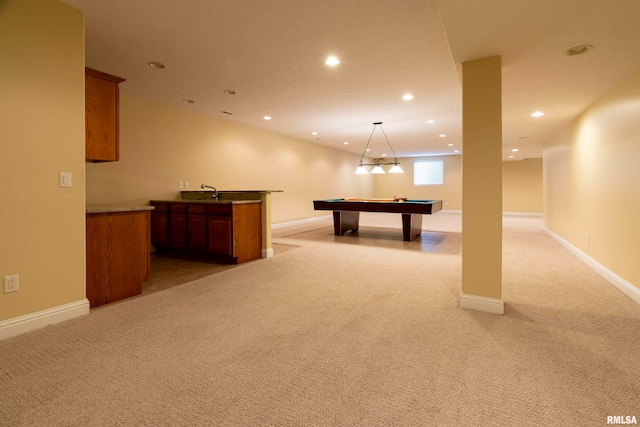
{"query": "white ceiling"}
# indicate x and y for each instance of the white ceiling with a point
(272, 54)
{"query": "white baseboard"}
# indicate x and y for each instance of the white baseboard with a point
(459, 211)
(476, 302)
(267, 253)
(330, 217)
(301, 221)
(626, 287)
(522, 214)
(20, 325)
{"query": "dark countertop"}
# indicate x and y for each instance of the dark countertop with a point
(207, 201)
(91, 209)
(226, 194)
(236, 191)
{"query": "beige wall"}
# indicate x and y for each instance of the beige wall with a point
(161, 144)
(42, 133)
(592, 182)
(522, 186)
(401, 185)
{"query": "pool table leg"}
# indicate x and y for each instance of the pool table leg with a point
(411, 226)
(344, 221)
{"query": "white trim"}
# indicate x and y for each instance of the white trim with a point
(301, 222)
(503, 213)
(476, 302)
(30, 322)
(522, 214)
(626, 287)
(267, 253)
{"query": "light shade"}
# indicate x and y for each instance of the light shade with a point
(378, 162)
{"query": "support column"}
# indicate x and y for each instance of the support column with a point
(482, 185)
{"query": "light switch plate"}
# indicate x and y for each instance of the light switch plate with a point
(65, 179)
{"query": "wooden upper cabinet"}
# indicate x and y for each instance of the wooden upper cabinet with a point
(101, 116)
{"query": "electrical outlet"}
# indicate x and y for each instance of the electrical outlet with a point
(11, 283)
(180, 185)
(186, 184)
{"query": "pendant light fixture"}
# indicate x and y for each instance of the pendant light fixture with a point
(378, 163)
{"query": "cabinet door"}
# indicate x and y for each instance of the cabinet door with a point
(101, 116)
(160, 225)
(220, 235)
(177, 226)
(197, 229)
(160, 229)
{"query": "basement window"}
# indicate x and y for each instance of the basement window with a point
(428, 172)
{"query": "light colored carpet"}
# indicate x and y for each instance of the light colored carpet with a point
(341, 334)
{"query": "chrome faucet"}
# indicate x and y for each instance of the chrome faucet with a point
(215, 191)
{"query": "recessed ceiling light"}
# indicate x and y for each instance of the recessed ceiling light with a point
(537, 114)
(314, 133)
(346, 143)
(515, 150)
(511, 157)
(407, 97)
(368, 149)
(230, 92)
(457, 151)
(156, 65)
(430, 121)
(332, 61)
(384, 155)
(450, 145)
(267, 117)
(578, 50)
(442, 135)
(188, 101)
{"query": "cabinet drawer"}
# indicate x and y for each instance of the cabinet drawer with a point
(161, 207)
(223, 210)
(196, 209)
(178, 208)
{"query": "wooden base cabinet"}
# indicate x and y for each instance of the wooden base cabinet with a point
(118, 247)
(226, 232)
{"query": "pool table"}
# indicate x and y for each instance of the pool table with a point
(346, 212)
